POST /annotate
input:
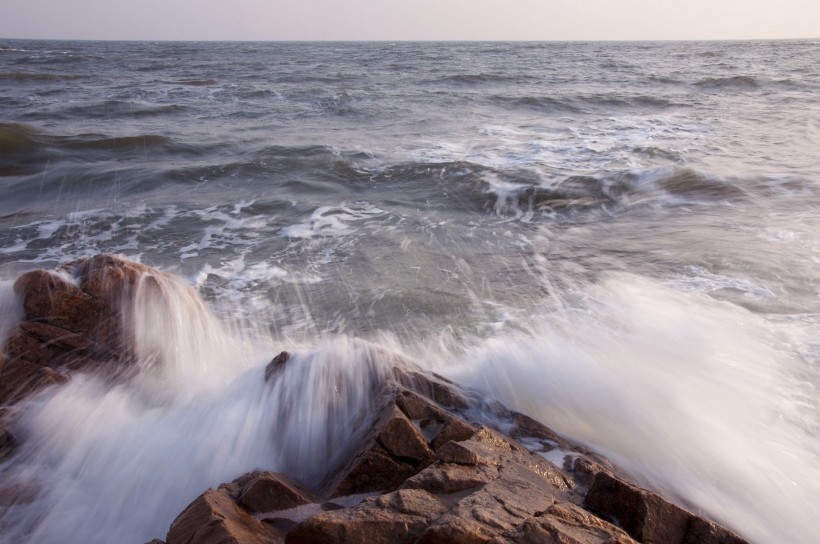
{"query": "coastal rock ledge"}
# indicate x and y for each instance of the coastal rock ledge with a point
(426, 472)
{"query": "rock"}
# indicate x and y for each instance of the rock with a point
(450, 478)
(434, 387)
(73, 320)
(372, 470)
(402, 440)
(213, 518)
(647, 517)
(17, 493)
(456, 430)
(395, 518)
(20, 379)
(7, 444)
(276, 365)
(268, 491)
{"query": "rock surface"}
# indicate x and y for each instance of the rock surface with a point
(72, 320)
(425, 474)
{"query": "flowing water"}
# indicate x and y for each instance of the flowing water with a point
(619, 239)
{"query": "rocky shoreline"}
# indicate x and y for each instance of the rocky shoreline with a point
(427, 471)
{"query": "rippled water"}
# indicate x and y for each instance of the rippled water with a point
(617, 238)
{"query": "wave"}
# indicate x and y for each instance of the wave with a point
(733, 82)
(122, 108)
(586, 103)
(28, 76)
(476, 79)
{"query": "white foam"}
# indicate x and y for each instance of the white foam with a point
(332, 221)
(699, 398)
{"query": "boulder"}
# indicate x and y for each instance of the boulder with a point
(395, 518)
(214, 518)
(276, 365)
(647, 517)
(268, 491)
(73, 320)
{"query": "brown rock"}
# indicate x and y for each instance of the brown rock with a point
(418, 408)
(372, 470)
(397, 517)
(44, 295)
(703, 531)
(60, 338)
(552, 529)
(402, 440)
(451, 478)
(455, 452)
(647, 517)
(525, 426)
(213, 518)
(456, 430)
(20, 378)
(267, 492)
(413, 502)
(107, 276)
(452, 529)
(434, 387)
(27, 348)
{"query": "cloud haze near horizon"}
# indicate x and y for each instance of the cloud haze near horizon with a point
(416, 20)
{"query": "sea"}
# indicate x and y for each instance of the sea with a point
(619, 239)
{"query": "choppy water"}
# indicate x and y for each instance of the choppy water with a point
(620, 239)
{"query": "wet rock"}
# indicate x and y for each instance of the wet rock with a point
(7, 444)
(647, 517)
(456, 430)
(434, 387)
(267, 491)
(450, 478)
(73, 320)
(20, 379)
(213, 518)
(402, 440)
(276, 365)
(17, 493)
(372, 470)
(395, 518)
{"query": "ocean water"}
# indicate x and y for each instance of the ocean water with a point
(619, 239)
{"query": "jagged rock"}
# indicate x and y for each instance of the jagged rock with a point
(266, 492)
(649, 518)
(276, 365)
(451, 478)
(434, 387)
(454, 430)
(372, 470)
(396, 518)
(213, 518)
(73, 320)
(402, 440)
(20, 379)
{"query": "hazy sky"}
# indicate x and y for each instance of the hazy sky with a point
(409, 19)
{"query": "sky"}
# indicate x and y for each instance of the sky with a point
(410, 19)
